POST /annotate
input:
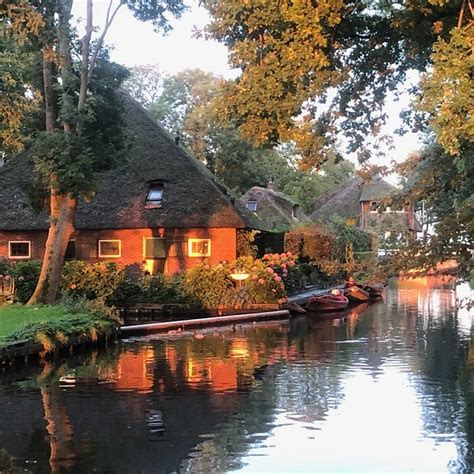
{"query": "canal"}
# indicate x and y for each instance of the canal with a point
(389, 387)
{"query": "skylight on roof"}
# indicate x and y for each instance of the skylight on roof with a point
(155, 196)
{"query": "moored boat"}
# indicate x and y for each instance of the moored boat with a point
(356, 294)
(374, 290)
(334, 301)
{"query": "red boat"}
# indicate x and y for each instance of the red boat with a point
(334, 301)
(355, 294)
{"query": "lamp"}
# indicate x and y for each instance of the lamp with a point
(239, 277)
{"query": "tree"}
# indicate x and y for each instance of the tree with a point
(309, 69)
(70, 152)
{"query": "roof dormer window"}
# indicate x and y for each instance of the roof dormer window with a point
(155, 196)
(252, 206)
(294, 211)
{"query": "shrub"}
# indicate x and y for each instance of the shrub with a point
(26, 276)
(313, 243)
(206, 286)
(91, 281)
(149, 289)
(349, 237)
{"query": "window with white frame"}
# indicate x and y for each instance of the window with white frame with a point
(19, 249)
(252, 206)
(154, 247)
(110, 248)
(199, 247)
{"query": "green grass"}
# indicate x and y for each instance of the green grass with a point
(14, 316)
(53, 325)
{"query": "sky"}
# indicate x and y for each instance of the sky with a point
(135, 43)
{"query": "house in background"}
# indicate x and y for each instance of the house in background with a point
(358, 201)
(276, 211)
(161, 209)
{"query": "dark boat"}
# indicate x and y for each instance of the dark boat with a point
(375, 291)
(356, 294)
(334, 301)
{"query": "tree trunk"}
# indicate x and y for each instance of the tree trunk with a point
(63, 208)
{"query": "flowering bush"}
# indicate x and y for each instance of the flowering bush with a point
(92, 281)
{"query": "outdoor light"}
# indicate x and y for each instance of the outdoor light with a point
(239, 277)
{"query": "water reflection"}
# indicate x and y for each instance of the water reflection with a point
(385, 386)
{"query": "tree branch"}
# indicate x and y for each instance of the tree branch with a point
(100, 42)
(86, 41)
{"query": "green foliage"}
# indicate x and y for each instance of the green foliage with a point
(310, 69)
(26, 274)
(349, 237)
(206, 286)
(444, 184)
(52, 333)
(149, 289)
(313, 243)
(448, 92)
(246, 243)
(90, 281)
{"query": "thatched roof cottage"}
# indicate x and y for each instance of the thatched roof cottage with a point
(161, 208)
(358, 201)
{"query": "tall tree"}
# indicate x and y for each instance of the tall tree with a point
(309, 69)
(69, 153)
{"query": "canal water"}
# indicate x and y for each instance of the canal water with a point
(387, 388)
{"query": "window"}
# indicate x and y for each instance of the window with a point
(373, 206)
(294, 211)
(110, 248)
(252, 206)
(155, 196)
(70, 250)
(19, 249)
(154, 248)
(199, 247)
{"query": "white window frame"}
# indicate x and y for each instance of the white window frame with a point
(193, 254)
(254, 203)
(16, 257)
(101, 255)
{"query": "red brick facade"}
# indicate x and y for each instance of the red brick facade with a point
(223, 246)
(408, 216)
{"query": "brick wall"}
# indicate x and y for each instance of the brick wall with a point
(223, 246)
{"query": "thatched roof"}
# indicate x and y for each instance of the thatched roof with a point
(274, 208)
(192, 196)
(345, 200)
(376, 189)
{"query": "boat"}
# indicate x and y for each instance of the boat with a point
(355, 294)
(374, 290)
(334, 301)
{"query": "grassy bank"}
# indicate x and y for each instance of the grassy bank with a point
(50, 325)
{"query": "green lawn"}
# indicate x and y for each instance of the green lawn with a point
(13, 316)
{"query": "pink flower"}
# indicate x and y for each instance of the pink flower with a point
(283, 265)
(291, 264)
(255, 268)
(277, 278)
(21, 278)
(103, 268)
(273, 290)
(1, 277)
(7, 277)
(270, 270)
(206, 267)
(261, 281)
(254, 277)
(289, 254)
(266, 256)
(73, 286)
